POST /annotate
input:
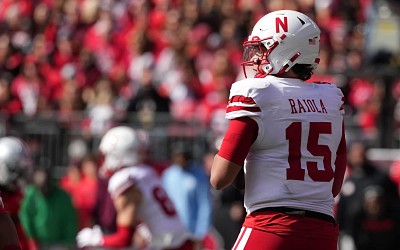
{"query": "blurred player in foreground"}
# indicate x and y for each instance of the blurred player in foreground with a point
(8, 233)
(15, 161)
(138, 196)
(285, 143)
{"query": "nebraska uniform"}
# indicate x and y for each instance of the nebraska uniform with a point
(285, 143)
(156, 211)
(299, 124)
(138, 198)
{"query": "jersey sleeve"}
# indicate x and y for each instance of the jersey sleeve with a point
(243, 100)
(120, 182)
(239, 137)
(341, 108)
(337, 94)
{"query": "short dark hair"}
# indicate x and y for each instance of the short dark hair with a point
(303, 71)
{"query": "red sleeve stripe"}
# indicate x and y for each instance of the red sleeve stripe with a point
(238, 108)
(242, 99)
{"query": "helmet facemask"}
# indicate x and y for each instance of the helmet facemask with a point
(255, 56)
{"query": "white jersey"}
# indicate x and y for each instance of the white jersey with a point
(292, 161)
(156, 210)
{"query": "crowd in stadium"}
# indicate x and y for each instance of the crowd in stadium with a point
(107, 58)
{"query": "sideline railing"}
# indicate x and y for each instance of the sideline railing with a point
(53, 138)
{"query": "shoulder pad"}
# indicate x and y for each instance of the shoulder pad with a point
(120, 181)
(242, 98)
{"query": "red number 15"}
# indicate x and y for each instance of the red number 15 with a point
(293, 135)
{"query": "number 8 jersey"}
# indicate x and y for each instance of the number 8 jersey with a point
(292, 161)
(156, 210)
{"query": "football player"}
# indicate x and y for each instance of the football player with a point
(285, 143)
(138, 197)
(8, 233)
(15, 161)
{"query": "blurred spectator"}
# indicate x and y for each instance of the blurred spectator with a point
(30, 89)
(187, 184)
(88, 190)
(394, 173)
(216, 86)
(147, 101)
(142, 56)
(395, 90)
(174, 73)
(229, 215)
(103, 212)
(70, 182)
(68, 102)
(362, 174)
(365, 97)
(100, 108)
(81, 184)
(71, 179)
(188, 93)
(44, 208)
(228, 209)
(10, 104)
(377, 224)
